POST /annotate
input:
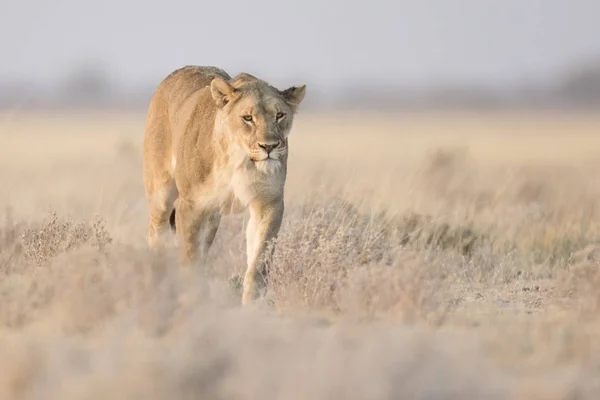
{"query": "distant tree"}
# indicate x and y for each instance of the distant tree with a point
(582, 84)
(88, 81)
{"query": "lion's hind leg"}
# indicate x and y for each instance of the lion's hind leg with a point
(172, 222)
(208, 231)
(196, 229)
(161, 202)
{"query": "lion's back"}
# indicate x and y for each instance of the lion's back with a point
(178, 86)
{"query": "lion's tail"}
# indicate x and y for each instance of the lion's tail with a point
(172, 221)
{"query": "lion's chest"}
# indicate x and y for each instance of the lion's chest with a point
(233, 192)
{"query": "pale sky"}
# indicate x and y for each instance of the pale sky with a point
(323, 43)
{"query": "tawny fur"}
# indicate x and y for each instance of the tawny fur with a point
(216, 145)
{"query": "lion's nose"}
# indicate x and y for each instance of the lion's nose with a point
(268, 146)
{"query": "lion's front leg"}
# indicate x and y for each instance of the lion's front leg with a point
(264, 224)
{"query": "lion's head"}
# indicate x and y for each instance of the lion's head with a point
(256, 117)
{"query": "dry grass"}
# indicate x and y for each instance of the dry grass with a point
(422, 256)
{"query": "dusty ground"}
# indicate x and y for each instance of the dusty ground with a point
(422, 256)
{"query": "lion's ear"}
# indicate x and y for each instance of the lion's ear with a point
(294, 95)
(222, 92)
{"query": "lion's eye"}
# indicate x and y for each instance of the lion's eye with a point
(247, 118)
(279, 116)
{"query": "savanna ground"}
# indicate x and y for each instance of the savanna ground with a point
(422, 256)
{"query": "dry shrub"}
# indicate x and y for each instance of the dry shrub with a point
(581, 281)
(82, 290)
(337, 259)
(544, 213)
(315, 251)
(56, 235)
(549, 221)
(422, 232)
(405, 291)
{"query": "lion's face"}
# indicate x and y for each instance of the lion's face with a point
(258, 118)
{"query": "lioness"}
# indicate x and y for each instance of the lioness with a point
(214, 145)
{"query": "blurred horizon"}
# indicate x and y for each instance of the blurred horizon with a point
(350, 54)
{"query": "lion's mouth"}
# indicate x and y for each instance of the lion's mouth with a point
(267, 158)
(268, 165)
